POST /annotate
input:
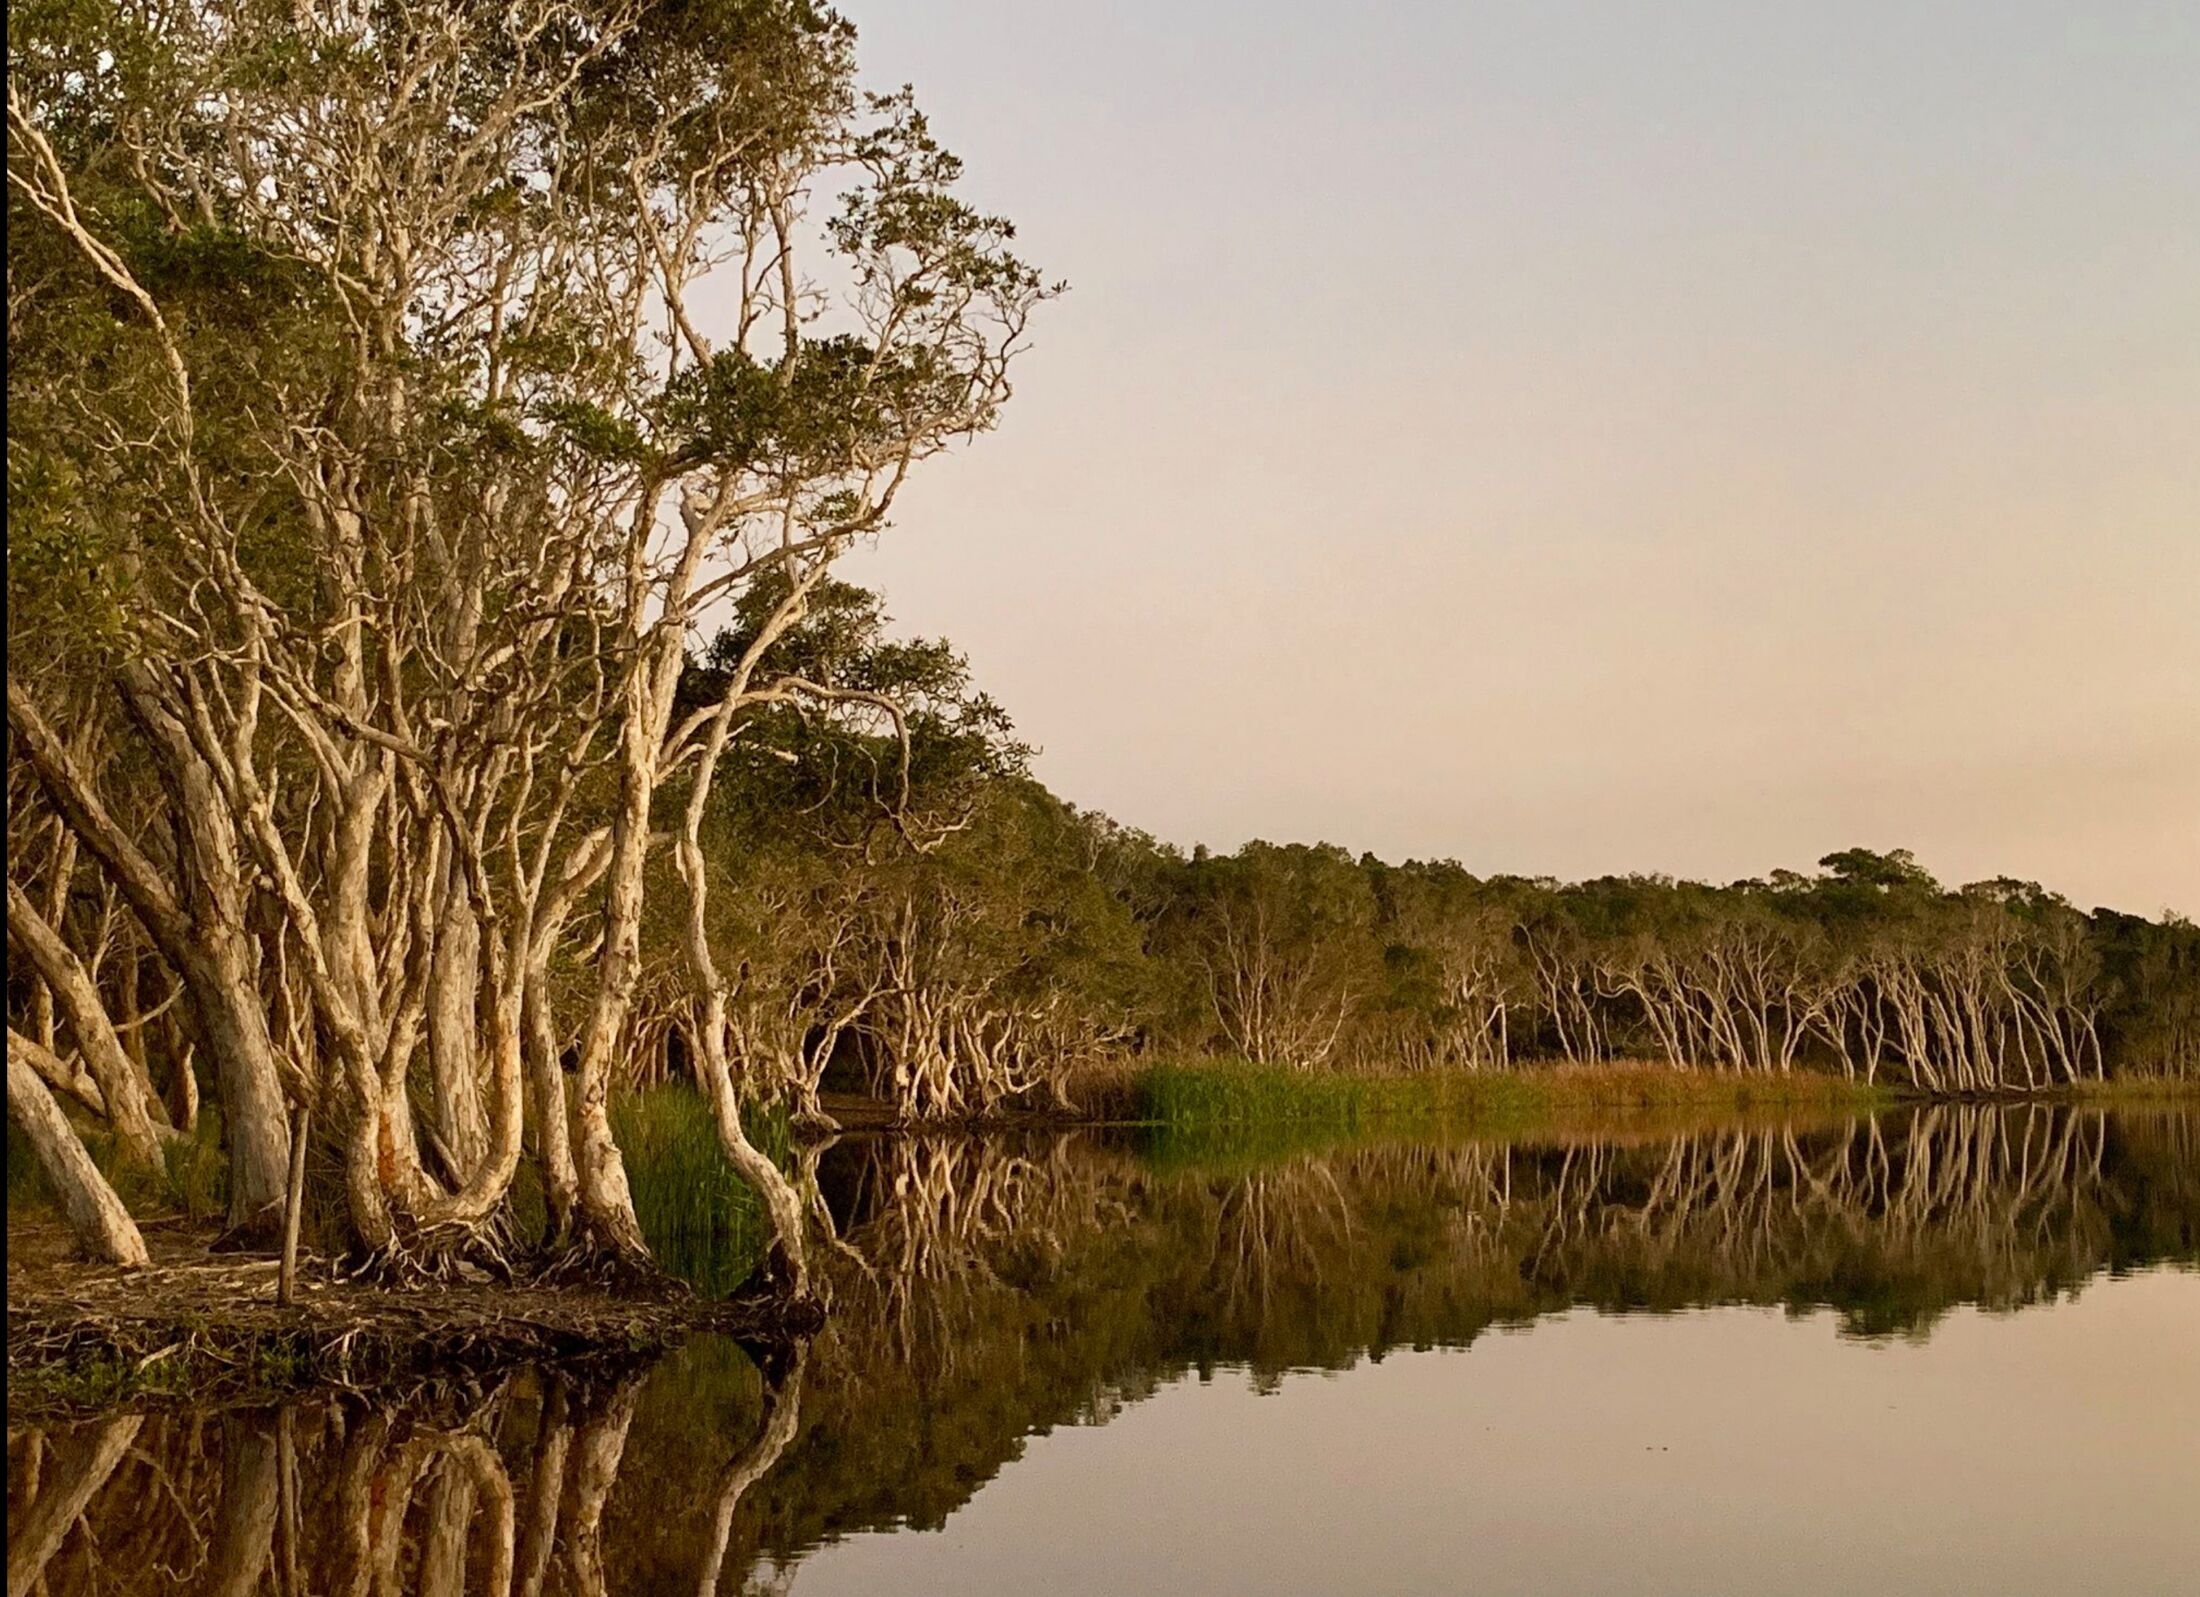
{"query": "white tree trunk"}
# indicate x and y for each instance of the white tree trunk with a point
(103, 1227)
(454, 1021)
(198, 925)
(122, 1084)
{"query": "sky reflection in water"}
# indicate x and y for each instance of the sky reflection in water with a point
(1955, 1351)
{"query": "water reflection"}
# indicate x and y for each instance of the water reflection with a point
(988, 1289)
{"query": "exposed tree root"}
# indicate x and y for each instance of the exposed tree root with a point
(436, 1256)
(584, 1260)
(205, 1328)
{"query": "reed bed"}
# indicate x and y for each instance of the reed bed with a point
(702, 1222)
(1237, 1092)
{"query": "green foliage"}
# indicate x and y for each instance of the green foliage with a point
(1207, 1109)
(1241, 1092)
(196, 1173)
(27, 1187)
(192, 1183)
(99, 1383)
(946, 872)
(894, 895)
(819, 774)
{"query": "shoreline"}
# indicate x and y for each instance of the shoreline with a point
(1199, 1094)
(201, 1327)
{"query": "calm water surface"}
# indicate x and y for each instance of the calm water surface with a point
(1941, 1352)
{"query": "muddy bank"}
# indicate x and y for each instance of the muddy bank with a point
(205, 1328)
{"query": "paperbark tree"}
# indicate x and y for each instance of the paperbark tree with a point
(82, 1465)
(195, 917)
(102, 1225)
(126, 1094)
(423, 463)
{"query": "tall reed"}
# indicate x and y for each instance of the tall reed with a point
(700, 1219)
(1187, 1097)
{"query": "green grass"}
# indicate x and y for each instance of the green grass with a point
(97, 1383)
(1235, 1109)
(194, 1180)
(2136, 1089)
(701, 1220)
(26, 1182)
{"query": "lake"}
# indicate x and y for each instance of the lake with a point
(1948, 1350)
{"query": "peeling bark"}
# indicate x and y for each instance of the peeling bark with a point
(102, 1226)
(126, 1094)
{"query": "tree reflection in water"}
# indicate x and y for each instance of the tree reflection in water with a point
(990, 1288)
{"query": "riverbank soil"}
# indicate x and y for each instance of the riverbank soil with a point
(205, 1327)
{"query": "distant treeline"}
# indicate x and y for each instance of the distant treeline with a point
(965, 939)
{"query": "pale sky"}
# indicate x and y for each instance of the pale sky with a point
(1579, 438)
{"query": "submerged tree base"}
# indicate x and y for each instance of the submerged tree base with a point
(205, 1327)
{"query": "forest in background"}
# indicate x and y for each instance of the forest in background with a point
(982, 942)
(433, 711)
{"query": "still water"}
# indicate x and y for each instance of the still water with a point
(1950, 1351)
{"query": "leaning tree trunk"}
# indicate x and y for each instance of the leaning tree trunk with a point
(255, 1116)
(103, 1227)
(83, 1464)
(454, 996)
(198, 924)
(62, 1075)
(244, 1524)
(549, 1110)
(123, 1087)
(598, 1449)
(785, 1268)
(538, 1539)
(606, 1202)
(781, 1417)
